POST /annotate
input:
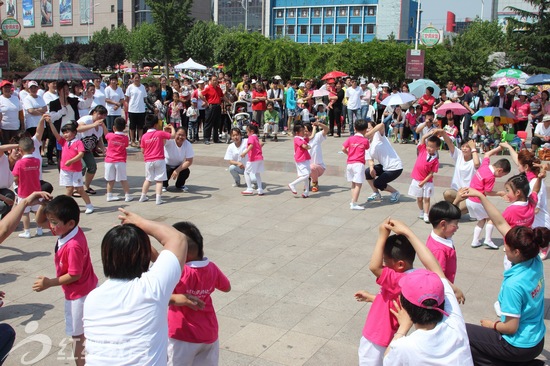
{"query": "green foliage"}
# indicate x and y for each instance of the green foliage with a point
(199, 41)
(20, 59)
(528, 40)
(48, 43)
(144, 44)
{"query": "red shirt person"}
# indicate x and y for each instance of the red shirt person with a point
(427, 101)
(212, 96)
(259, 103)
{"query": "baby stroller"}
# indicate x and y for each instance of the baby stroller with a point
(240, 117)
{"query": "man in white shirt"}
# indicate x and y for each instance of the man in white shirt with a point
(541, 135)
(135, 106)
(354, 94)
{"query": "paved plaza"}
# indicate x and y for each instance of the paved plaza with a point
(294, 263)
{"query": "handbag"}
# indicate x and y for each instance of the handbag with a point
(544, 153)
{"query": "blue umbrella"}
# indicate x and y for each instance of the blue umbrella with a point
(418, 87)
(539, 79)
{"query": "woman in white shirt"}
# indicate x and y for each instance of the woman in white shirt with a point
(11, 113)
(233, 156)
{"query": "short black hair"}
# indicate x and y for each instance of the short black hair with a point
(125, 252)
(361, 125)
(398, 247)
(119, 124)
(434, 139)
(420, 315)
(298, 127)
(443, 210)
(113, 77)
(150, 121)
(71, 126)
(430, 113)
(99, 109)
(195, 242)
(26, 144)
(64, 208)
(430, 89)
(504, 165)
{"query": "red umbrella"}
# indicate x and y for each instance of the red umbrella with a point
(333, 75)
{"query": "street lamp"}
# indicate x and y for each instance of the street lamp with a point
(41, 53)
(244, 4)
(88, 20)
(482, 4)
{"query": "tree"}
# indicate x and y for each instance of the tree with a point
(144, 44)
(171, 20)
(20, 59)
(101, 37)
(42, 41)
(199, 41)
(529, 39)
(121, 35)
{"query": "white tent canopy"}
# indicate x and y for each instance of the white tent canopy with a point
(190, 65)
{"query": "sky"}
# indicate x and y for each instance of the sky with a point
(435, 11)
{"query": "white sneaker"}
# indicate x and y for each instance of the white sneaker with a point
(143, 199)
(426, 219)
(164, 189)
(374, 197)
(39, 231)
(490, 244)
(421, 215)
(394, 197)
(128, 198)
(89, 210)
(292, 189)
(475, 244)
(184, 189)
(355, 206)
(113, 198)
(25, 235)
(160, 202)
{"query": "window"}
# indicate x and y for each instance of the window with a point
(112, 8)
(342, 11)
(304, 13)
(303, 29)
(369, 29)
(279, 14)
(112, 27)
(316, 12)
(341, 29)
(279, 30)
(371, 11)
(290, 13)
(290, 29)
(356, 11)
(316, 29)
(328, 12)
(355, 29)
(329, 29)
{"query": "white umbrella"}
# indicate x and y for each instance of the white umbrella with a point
(398, 99)
(189, 65)
(320, 93)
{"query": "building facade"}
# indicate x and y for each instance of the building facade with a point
(77, 20)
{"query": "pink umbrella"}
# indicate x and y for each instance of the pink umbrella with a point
(457, 108)
(320, 93)
(504, 82)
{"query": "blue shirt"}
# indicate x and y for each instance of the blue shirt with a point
(291, 99)
(522, 296)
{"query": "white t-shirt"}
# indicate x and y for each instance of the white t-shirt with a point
(464, 170)
(316, 151)
(90, 138)
(542, 218)
(10, 112)
(174, 155)
(115, 96)
(49, 97)
(22, 94)
(28, 103)
(540, 130)
(125, 321)
(246, 97)
(381, 150)
(99, 97)
(354, 97)
(234, 153)
(137, 95)
(446, 344)
(6, 177)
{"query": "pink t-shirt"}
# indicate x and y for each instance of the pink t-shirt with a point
(300, 154)
(28, 170)
(255, 153)
(73, 258)
(356, 145)
(70, 149)
(199, 278)
(116, 147)
(152, 143)
(483, 180)
(423, 167)
(445, 253)
(521, 213)
(381, 324)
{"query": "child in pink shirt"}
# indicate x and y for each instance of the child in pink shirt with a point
(152, 146)
(355, 147)
(391, 260)
(302, 160)
(115, 160)
(73, 267)
(444, 217)
(26, 174)
(192, 325)
(484, 181)
(255, 163)
(521, 211)
(72, 152)
(426, 165)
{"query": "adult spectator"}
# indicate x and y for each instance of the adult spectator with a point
(212, 97)
(51, 93)
(11, 113)
(259, 104)
(135, 107)
(77, 91)
(541, 135)
(521, 109)
(291, 106)
(375, 89)
(380, 96)
(245, 79)
(544, 106)
(276, 95)
(450, 91)
(114, 101)
(246, 96)
(501, 99)
(131, 328)
(335, 107)
(7, 196)
(473, 101)
(99, 93)
(197, 93)
(389, 166)
(427, 101)
(178, 156)
(366, 95)
(166, 92)
(34, 107)
(518, 337)
(353, 94)
(233, 156)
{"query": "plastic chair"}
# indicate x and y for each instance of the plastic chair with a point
(523, 136)
(512, 139)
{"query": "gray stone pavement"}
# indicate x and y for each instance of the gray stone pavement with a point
(294, 263)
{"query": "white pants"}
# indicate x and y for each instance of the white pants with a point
(192, 354)
(370, 354)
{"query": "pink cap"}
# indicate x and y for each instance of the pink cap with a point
(421, 285)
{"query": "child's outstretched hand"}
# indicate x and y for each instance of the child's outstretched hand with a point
(470, 192)
(128, 217)
(41, 284)
(190, 301)
(364, 296)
